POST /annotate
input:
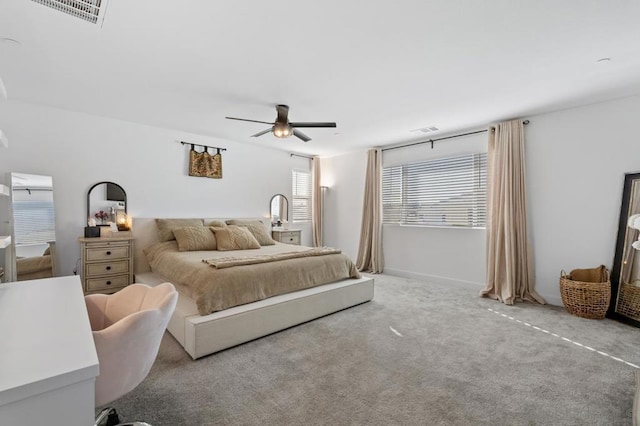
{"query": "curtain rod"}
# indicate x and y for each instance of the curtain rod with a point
(204, 146)
(31, 188)
(300, 155)
(431, 141)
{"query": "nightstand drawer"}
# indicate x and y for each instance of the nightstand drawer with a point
(107, 253)
(107, 268)
(290, 237)
(95, 284)
(286, 236)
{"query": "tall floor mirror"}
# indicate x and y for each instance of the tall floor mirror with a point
(625, 274)
(32, 253)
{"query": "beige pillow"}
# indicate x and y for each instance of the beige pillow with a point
(257, 229)
(192, 238)
(166, 227)
(216, 224)
(235, 238)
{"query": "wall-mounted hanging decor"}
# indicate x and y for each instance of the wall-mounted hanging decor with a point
(203, 164)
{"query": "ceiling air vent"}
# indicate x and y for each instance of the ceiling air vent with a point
(427, 129)
(88, 10)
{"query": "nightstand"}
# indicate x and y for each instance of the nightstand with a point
(107, 264)
(287, 236)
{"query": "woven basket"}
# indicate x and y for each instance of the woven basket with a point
(585, 299)
(629, 301)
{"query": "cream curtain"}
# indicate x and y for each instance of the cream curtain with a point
(509, 261)
(370, 250)
(316, 202)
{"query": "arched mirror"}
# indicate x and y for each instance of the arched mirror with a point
(625, 274)
(33, 246)
(106, 203)
(279, 208)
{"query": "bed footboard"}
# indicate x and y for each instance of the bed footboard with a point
(202, 335)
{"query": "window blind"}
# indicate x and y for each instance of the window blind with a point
(301, 189)
(449, 191)
(34, 222)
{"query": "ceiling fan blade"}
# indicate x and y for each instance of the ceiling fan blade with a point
(301, 135)
(264, 132)
(311, 124)
(252, 121)
(283, 114)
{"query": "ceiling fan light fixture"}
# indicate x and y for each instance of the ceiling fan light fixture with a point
(282, 130)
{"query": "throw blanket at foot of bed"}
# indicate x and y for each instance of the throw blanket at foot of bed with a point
(228, 262)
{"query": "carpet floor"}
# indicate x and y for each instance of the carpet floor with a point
(418, 354)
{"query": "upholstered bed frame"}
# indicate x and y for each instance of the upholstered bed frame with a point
(202, 335)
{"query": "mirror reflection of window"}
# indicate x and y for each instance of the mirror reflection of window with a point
(279, 209)
(630, 265)
(628, 298)
(33, 226)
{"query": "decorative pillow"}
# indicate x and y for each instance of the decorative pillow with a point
(166, 226)
(235, 238)
(216, 224)
(257, 229)
(192, 238)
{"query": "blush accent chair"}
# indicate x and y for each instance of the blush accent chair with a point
(127, 330)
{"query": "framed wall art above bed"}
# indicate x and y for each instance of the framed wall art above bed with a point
(203, 164)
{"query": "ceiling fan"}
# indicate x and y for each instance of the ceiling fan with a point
(283, 128)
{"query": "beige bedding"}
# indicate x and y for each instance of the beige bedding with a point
(216, 289)
(228, 262)
(31, 268)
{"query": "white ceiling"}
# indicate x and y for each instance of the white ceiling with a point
(379, 69)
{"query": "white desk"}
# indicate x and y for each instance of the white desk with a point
(48, 361)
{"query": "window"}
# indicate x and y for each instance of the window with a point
(301, 188)
(34, 222)
(450, 191)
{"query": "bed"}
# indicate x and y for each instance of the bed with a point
(206, 324)
(36, 267)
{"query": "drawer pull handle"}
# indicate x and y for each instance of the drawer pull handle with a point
(108, 282)
(108, 268)
(108, 253)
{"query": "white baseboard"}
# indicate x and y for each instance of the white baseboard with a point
(550, 299)
(432, 278)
